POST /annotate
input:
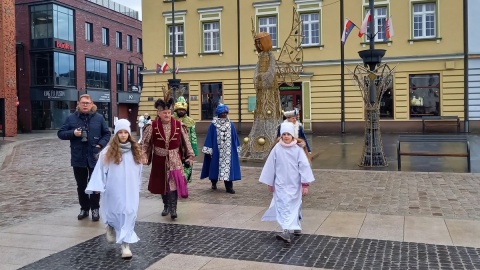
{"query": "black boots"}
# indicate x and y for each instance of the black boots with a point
(83, 214)
(214, 184)
(166, 203)
(173, 195)
(229, 187)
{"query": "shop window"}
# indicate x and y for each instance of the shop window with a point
(42, 69)
(387, 102)
(97, 74)
(211, 97)
(120, 77)
(64, 69)
(105, 36)
(186, 94)
(424, 95)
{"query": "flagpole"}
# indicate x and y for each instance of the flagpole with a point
(342, 71)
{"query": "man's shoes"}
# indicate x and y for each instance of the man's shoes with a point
(230, 190)
(83, 214)
(297, 232)
(126, 252)
(95, 214)
(284, 236)
(214, 186)
(111, 235)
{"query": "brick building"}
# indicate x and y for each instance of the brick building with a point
(66, 48)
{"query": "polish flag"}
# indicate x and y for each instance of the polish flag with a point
(389, 28)
(164, 67)
(363, 28)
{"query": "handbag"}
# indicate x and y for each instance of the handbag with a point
(182, 189)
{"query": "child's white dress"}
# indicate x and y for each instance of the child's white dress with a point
(286, 168)
(120, 191)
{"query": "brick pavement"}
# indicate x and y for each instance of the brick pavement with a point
(36, 178)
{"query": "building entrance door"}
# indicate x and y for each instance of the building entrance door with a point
(291, 100)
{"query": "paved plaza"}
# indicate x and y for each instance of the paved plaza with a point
(353, 218)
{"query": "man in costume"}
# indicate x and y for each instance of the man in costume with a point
(167, 148)
(221, 149)
(180, 114)
(291, 116)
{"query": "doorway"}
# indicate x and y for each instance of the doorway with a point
(291, 100)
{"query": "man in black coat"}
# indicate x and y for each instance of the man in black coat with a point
(88, 134)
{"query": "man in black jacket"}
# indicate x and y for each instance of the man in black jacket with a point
(88, 134)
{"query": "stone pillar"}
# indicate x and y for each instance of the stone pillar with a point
(8, 88)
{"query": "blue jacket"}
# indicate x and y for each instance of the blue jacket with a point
(85, 154)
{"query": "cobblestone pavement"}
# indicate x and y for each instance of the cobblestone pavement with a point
(250, 245)
(36, 178)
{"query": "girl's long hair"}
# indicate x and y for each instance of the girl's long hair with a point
(114, 153)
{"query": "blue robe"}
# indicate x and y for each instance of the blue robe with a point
(211, 163)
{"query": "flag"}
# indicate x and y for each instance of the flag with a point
(349, 25)
(363, 28)
(158, 68)
(388, 28)
(164, 67)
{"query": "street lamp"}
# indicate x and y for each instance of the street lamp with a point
(174, 83)
(130, 66)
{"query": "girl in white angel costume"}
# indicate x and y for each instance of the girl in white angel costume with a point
(117, 176)
(287, 173)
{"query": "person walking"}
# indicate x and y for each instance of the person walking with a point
(118, 178)
(180, 114)
(88, 134)
(166, 146)
(292, 117)
(287, 172)
(221, 149)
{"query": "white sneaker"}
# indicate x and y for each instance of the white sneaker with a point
(126, 252)
(111, 237)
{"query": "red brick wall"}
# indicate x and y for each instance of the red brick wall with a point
(8, 89)
(99, 16)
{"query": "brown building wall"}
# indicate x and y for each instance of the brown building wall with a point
(84, 11)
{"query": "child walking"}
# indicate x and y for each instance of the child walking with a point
(117, 176)
(287, 173)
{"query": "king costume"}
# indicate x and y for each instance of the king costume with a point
(180, 114)
(287, 168)
(221, 149)
(167, 146)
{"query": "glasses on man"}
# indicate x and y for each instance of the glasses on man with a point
(85, 103)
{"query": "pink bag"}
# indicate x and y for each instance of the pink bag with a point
(181, 182)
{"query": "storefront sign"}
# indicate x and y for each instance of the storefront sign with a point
(63, 45)
(99, 95)
(294, 87)
(128, 97)
(54, 94)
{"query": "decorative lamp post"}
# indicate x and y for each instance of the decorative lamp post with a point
(131, 66)
(174, 83)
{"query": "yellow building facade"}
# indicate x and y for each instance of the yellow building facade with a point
(427, 50)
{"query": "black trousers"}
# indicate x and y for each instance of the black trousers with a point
(228, 184)
(82, 176)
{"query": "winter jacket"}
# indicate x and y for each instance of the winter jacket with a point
(85, 154)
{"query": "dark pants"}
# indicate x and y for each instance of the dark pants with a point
(82, 176)
(228, 184)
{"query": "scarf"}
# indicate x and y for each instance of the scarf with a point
(125, 147)
(292, 143)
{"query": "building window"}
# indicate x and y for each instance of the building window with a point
(118, 40)
(64, 69)
(211, 36)
(424, 95)
(269, 25)
(41, 20)
(139, 46)
(211, 96)
(120, 77)
(42, 69)
(387, 102)
(130, 77)
(179, 39)
(63, 23)
(97, 73)
(186, 94)
(380, 24)
(88, 31)
(105, 36)
(424, 20)
(129, 43)
(49, 23)
(310, 28)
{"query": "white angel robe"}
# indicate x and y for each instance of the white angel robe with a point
(119, 186)
(286, 168)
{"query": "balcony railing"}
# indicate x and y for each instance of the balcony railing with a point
(117, 7)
